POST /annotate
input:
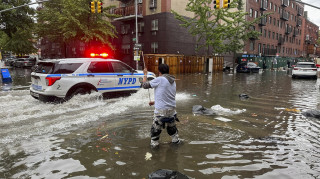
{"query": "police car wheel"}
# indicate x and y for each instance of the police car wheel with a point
(80, 91)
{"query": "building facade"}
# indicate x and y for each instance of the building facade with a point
(283, 30)
(159, 31)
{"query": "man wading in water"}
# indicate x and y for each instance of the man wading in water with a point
(165, 104)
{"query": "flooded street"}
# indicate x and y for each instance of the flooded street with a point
(264, 136)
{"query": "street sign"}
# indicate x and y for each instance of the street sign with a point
(137, 58)
(137, 45)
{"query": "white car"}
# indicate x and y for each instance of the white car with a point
(61, 79)
(304, 69)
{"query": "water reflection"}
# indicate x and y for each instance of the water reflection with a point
(261, 137)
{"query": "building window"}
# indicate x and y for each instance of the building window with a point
(125, 28)
(153, 4)
(251, 45)
(125, 48)
(154, 47)
(265, 33)
(272, 35)
(259, 48)
(269, 34)
(251, 12)
(255, 14)
(154, 25)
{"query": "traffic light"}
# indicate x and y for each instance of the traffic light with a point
(99, 7)
(226, 4)
(93, 7)
(216, 4)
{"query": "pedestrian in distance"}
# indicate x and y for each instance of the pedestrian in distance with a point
(275, 63)
(165, 114)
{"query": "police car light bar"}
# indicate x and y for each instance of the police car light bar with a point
(99, 55)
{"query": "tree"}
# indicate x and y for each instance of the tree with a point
(224, 30)
(17, 36)
(68, 20)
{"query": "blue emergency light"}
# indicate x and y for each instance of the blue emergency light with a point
(5, 75)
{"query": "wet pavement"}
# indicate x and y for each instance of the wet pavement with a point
(263, 136)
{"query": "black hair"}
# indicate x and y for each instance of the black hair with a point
(163, 68)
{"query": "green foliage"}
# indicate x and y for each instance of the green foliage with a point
(21, 42)
(224, 30)
(68, 20)
(17, 36)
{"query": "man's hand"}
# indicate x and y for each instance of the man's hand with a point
(145, 71)
(151, 103)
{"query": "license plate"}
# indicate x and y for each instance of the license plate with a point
(36, 87)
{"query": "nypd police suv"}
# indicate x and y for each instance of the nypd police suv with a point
(61, 79)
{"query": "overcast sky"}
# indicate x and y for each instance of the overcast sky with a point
(313, 13)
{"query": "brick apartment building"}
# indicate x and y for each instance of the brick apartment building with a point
(284, 32)
(158, 30)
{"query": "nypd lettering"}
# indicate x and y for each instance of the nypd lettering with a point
(127, 81)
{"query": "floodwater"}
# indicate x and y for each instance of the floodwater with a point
(265, 136)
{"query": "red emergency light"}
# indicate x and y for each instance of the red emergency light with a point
(104, 55)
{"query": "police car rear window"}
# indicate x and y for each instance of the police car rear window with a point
(55, 68)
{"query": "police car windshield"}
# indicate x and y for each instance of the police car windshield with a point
(56, 68)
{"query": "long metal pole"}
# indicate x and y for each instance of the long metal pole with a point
(23, 5)
(300, 2)
(137, 40)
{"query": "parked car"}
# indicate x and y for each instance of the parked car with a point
(29, 62)
(19, 62)
(10, 61)
(24, 62)
(248, 67)
(304, 69)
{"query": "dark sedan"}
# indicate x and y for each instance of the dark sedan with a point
(249, 67)
(25, 62)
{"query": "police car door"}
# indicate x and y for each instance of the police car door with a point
(101, 75)
(125, 78)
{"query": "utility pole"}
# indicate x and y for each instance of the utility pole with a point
(23, 5)
(300, 2)
(137, 41)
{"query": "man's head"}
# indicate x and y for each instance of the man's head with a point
(163, 69)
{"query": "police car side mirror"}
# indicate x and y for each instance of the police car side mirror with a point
(133, 71)
(141, 80)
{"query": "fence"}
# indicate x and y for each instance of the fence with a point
(180, 64)
(281, 61)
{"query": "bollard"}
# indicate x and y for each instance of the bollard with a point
(5, 75)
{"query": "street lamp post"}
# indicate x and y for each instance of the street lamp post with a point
(137, 40)
(23, 5)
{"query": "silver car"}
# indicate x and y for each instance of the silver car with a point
(304, 69)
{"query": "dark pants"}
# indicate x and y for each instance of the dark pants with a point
(160, 123)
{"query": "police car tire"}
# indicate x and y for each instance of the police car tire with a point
(80, 91)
